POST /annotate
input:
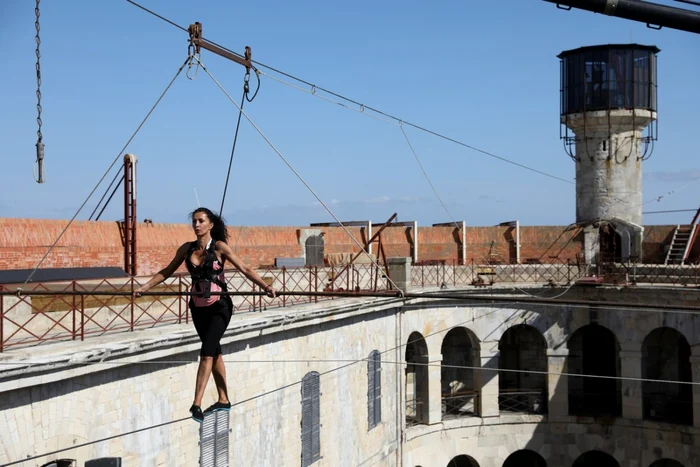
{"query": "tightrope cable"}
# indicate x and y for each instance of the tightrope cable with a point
(350, 360)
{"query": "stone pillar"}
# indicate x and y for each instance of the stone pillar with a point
(435, 389)
(608, 163)
(557, 384)
(631, 367)
(591, 240)
(400, 272)
(695, 377)
(487, 380)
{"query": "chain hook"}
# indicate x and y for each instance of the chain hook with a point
(193, 49)
(246, 83)
(193, 55)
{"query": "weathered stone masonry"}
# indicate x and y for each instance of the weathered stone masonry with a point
(43, 410)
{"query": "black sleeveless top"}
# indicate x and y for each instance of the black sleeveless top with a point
(204, 274)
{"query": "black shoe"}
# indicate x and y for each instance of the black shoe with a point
(218, 406)
(197, 414)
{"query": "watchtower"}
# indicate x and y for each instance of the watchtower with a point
(609, 103)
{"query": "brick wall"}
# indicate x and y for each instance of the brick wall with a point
(23, 242)
(440, 243)
(335, 239)
(656, 238)
(544, 244)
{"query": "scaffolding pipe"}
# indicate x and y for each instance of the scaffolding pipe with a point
(652, 14)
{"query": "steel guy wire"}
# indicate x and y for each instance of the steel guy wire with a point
(449, 214)
(312, 92)
(293, 170)
(399, 121)
(99, 203)
(105, 174)
(657, 199)
(363, 107)
(670, 210)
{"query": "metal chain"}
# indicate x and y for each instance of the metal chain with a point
(39, 143)
(38, 70)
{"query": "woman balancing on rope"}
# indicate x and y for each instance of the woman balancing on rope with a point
(211, 313)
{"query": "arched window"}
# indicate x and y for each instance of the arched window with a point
(666, 356)
(416, 380)
(524, 390)
(525, 458)
(594, 350)
(463, 461)
(62, 463)
(459, 395)
(595, 459)
(666, 463)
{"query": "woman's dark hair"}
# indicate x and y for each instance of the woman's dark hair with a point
(219, 231)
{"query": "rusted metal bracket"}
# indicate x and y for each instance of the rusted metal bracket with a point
(197, 42)
(380, 251)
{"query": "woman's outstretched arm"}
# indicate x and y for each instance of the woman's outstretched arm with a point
(227, 253)
(166, 272)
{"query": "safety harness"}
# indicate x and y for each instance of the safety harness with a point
(204, 274)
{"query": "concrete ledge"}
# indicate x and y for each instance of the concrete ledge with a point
(50, 362)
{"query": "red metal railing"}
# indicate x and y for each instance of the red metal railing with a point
(75, 313)
(650, 274)
(437, 273)
(555, 272)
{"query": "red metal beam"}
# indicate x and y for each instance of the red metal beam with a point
(198, 42)
(130, 214)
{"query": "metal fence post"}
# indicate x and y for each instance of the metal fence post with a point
(82, 317)
(74, 311)
(255, 303)
(284, 285)
(131, 301)
(310, 284)
(179, 299)
(2, 320)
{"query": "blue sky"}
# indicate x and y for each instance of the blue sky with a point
(484, 73)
